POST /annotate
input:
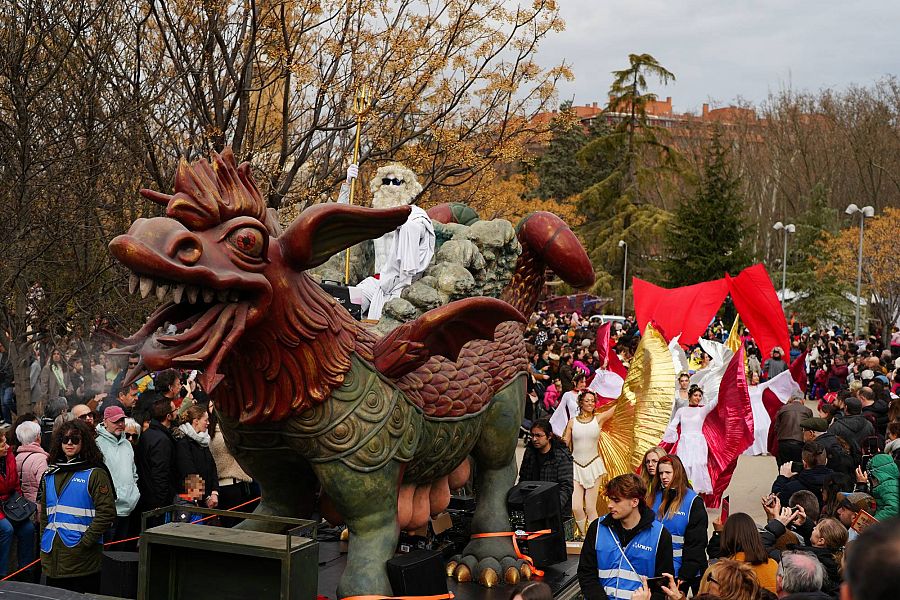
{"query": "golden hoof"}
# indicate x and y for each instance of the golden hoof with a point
(511, 576)
(463, 573)
(526, 572)
(451, 567)
(489, 578)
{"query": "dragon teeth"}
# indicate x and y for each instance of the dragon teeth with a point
(222, 296)
(193, 293)
(161, 291)
(146, 286)
(208, 295)
(133, 282)
(178, 292)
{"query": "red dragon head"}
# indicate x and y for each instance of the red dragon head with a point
(227, 274)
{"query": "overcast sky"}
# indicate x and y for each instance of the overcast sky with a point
(720, 50)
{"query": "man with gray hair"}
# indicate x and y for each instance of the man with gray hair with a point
(800, 577)
(786, 427)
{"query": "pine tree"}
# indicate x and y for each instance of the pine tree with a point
(560, 175)
(704, 240)
(626, 157)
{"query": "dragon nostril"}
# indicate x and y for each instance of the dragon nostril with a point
(187, 249)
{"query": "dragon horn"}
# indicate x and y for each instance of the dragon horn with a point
(158, 197)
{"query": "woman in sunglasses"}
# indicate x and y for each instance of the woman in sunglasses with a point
(77, 501)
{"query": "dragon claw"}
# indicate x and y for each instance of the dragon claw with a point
(463, 573)
(451, 567)
(488, 578)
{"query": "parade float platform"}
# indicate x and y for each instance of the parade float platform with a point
(561, 578)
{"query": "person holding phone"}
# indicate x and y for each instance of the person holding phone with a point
(626, 547)
(682, 512)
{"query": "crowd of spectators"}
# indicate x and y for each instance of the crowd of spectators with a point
(94, 454)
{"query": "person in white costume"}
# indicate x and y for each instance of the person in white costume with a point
(402, 255)
(692, 448)
(568, 405)
(582, 436)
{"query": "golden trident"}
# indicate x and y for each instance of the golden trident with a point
(361, 104)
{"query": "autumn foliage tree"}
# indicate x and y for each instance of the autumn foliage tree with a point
(838, 257)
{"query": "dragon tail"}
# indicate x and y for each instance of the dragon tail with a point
(547, 242)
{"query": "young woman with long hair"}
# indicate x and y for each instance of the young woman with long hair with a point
(78, 505)
(683, 513)
(582, 436)
(648, 465)
(739, 540)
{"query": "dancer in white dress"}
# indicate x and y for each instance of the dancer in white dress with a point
(582, 436)
(692, 448)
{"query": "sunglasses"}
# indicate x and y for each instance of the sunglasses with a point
(131, 436)
(391, 181)
(71, 439)
(87, 417)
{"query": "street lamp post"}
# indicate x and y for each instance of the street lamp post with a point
(623, 244)
(864, 213)
(789, 228)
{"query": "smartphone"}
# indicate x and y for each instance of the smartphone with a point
(655, 584)
(726, 507)
(771, 500)
(865, 461)
(796, 466)
(192, 376)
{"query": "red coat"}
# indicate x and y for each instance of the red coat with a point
(10, 483)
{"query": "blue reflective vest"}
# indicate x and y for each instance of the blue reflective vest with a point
(620, 569)
(676, 524)
(70, 513)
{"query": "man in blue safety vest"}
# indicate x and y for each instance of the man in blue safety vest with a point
(624, 547)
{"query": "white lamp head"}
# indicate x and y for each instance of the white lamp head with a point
(852, 209)
(778, 226)
(790, 228)
(868, 211)
(622, 244)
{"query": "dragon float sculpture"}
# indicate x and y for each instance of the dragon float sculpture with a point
(311, 399)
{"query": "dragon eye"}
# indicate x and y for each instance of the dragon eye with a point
(248, 240)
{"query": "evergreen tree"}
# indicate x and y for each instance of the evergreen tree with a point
(628, 157)
(819, 293)
(704, 239)
(560, 175)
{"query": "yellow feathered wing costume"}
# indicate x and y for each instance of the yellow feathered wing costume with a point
(643, 409)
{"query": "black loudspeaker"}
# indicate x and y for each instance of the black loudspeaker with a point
(341, 293)
(533, 506)
(419, 573)
(119, 574)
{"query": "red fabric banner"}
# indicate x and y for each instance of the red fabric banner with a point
(755, 299)
(686, 310)
(603, 343)
(728, 429)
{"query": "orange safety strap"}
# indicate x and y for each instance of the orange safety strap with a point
(447, 596)
(527, 535)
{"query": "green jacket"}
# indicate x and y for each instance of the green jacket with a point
(886, 490)
(86, 557)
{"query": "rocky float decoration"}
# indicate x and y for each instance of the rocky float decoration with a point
(310, 399)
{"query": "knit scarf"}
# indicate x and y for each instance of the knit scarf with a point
(201, 438)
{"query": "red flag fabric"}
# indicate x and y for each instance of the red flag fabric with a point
(778, 390)
(603, 343)
(755, 299)
(686, 310)
(728, 429)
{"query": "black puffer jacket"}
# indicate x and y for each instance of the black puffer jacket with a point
(853, 428)
(155, 458)
(557, 466)
(191, 457)
(879, 411)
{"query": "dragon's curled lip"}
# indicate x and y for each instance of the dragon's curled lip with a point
(195, 329)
